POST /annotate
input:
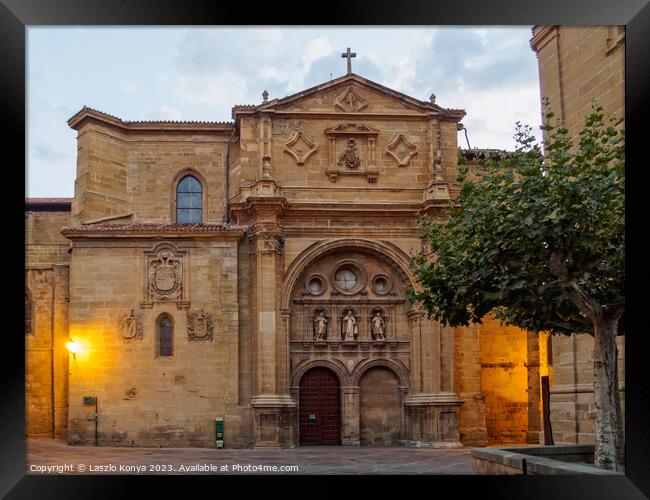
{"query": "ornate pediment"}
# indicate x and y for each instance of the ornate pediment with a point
(300, 147)
(350, 100)
(351, 129)
(402, 150)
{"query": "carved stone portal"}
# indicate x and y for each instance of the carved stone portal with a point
(199, 326)
(300, 147)
(402, 150)
(164, 274)
(350, 100)
(129, 327)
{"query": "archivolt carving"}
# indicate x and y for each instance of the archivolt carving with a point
(129, 326)
(402, 150)
(300, 147)
(199, 326)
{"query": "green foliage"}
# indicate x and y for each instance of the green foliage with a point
(528, 228)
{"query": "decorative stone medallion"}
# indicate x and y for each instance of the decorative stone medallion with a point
(164, 274)
(350, 101)
(402, 150)
(300, 147)
(199, 326)
(129, 327)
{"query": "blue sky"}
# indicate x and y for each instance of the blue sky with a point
(182, 73)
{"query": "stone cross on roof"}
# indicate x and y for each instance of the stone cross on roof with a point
(349, 55)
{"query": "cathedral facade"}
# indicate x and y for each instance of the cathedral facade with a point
(247, 282)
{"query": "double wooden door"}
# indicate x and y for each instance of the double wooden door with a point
(320, 408)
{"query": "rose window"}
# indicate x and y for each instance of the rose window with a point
(346, 279)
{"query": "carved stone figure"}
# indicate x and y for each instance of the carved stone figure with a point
(349, 326)
(199, 326)
(378, 327)
(130, 327)
(351, 155)
(320, 326)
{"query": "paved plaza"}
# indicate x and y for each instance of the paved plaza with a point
(48, 457)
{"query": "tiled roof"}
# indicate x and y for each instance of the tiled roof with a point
(148, 122)
(144, 227)
(48, 204)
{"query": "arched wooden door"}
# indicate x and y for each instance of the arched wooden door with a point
(320, 408)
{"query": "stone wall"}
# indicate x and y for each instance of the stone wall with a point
(143, 398)
(467, 365)
(504, 381)
(46, 356)
(578, 64)
(573, 410)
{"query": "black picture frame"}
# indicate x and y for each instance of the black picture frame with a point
(17, 15)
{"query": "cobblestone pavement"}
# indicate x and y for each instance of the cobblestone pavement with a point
(56, 457)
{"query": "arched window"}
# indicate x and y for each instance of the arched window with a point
(28, 315)
(165, 336)
(188, 200)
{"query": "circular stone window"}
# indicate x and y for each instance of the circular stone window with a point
(381, 284)
(348, 278)
(315, 284)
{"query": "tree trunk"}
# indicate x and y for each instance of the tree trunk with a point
(609, 424)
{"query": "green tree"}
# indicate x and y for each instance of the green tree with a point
(538, 240)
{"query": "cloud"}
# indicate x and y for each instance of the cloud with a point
(223, 91)
(165, 112)
(492, 114)
(129, 87)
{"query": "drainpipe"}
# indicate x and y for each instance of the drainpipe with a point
(462, 127)
(226, 217)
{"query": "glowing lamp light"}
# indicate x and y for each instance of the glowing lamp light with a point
(73, 347)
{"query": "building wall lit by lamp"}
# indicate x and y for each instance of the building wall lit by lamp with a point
(74, 347)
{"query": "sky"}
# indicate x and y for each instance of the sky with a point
(178, 73)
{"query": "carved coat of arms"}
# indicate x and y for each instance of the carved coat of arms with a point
(350, 155)
(199, 326)
(129, 327)
(165, 276)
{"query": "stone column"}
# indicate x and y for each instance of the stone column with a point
(431, 408)
(350, 433)
(274, 409)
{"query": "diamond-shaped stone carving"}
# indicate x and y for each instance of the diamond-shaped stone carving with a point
(350, 100)
(402, 150)
(300, 147)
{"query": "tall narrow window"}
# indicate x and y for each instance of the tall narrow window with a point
(188, 201)
(28, 315)
(165, 336)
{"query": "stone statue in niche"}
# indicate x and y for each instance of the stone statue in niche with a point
(378, 327)
(349, 326)
(320, 326)
(350, 155)
(130, 327)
